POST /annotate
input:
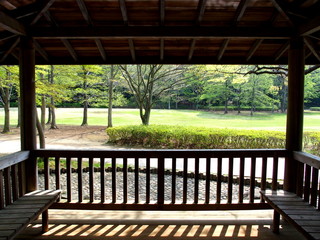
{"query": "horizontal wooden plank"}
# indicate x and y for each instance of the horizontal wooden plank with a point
(14, 158)
(7, 233)
(5, 226)
(307, 158)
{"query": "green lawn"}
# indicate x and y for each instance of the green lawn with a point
(267, 121)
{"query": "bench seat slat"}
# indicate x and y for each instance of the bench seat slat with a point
(10, 226)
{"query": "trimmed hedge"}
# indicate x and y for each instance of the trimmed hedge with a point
(178, 137)
(243, 108)
(315, 109)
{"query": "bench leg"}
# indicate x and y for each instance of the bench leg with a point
(276, 221)
(45, 221)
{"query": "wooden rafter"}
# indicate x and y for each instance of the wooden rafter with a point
(101, 49)
(40, 50)
(192, 46)
(313, 48)
(124, 11)
(281, 51)
(85, 12)
(161, 49)
(7, 5)
(201, 10)
(162, 6)
(311, 27)
(10, 49)
(254, 48)
(223, 48)
(12, 25)
(280, 6)
(240, 11)
(132, 51)
(46, 6)
(50, 19)
(70, 49)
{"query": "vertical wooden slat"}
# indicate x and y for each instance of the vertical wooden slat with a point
(306, 191)
(318, 207)
(161, 180)
(314, 187)
(252, 179)
(125, 180)
(241, 180)
(21, 177)
(102, 180)
(185, 181)
(136, 180)
(299, 189)
(46, 173)
(208, 173)
(69, 180)
(148, 180)
(2, 200)
(114, 183)
(219, 175)
(91, 181)
(7, 186)
(174, 180)
(275, 173)
(15, 182)
(57, 172)
(230, 180)
(196, 181)
(264, 173)
(80, 182)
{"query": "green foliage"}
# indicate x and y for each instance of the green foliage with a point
(243, 108)
(178, 137)
(315, 109)
(312, 142)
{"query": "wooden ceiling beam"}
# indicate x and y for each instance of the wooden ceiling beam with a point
(223, 48)
(281, 51)
(201, 10)
(101, 49)
(162, 6)
(192, 46)
(132, 51)
(84, 11)
(46, 5)
(10, 49)
(240, 10)
(311, 27)
(50, 19)
(254, 48)
(7, 5)
(40, 50)
(70, 49)
(12, 25)
(313, 48)
(280, 6)
(161, 32)
(124, 13)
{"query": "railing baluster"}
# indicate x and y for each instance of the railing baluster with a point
(241, 180)
(174, 180)
(299, 188)
(252, 179)
(91, 183)
(230, 180)
(136, 180)
(80, 182)
(69, 180)
(196, 180)
(114, 183)
(15, 182)
(2, 200)
(125, 180)
(46, 173)
(57, 172)
(208, 176)
(263, 185)
(306, 192)
(314, 186)
(219, 176)
(102, 180)
(148, 180)
(22, 180)
(161, 180)
(185, 181)
(318, 207)
(275, 173)
(7, 186)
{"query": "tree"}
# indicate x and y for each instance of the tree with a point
(149, 82)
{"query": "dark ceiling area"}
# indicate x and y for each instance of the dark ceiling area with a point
(159, 31)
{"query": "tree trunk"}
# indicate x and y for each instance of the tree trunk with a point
(43, 112)
(19, 113)
(145, 117)
(110, 100)
(42, 141)
(6, 127)
(53, 119)
(49, 116)
(226, 107)
(85, 113)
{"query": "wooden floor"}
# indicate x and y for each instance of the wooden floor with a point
(67, 224)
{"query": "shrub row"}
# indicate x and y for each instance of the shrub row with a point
(178, 137)
(243, 108)
(315, 109)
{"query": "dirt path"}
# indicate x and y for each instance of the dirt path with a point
(66, 137)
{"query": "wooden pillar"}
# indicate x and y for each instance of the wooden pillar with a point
(28, 108)
(295, 109)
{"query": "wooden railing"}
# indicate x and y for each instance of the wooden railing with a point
(161, 179)
(12, 177)
(308, 183)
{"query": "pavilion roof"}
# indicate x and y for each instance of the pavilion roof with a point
(159, 31)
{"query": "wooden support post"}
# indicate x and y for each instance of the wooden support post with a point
(28, 108)
(295, 109)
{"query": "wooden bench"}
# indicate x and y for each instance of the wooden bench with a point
(303, 216)
(15, 217)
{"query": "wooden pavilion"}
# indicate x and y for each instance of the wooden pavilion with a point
(268, 32)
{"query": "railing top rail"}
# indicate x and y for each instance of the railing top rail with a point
(14, 158)
(307, 158)
(158, 153)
